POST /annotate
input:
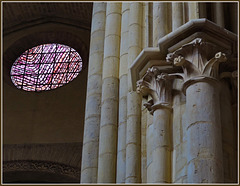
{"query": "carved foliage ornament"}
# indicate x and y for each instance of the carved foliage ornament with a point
(197, 59)
(158, 85)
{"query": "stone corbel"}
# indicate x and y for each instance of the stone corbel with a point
(159, 86)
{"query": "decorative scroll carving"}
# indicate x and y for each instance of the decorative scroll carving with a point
(158, 85)
(43, 166)
(197, 62)
(195, 59)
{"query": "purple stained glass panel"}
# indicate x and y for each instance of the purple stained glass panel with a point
(46, 67)
(33, 58)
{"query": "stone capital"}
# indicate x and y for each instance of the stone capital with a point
(159, 86)
(199, 60)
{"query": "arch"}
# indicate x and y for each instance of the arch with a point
(30, 171)
(42, 162)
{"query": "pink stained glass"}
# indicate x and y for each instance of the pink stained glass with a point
(46, 67)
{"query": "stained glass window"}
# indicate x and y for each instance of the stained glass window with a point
(46, 67)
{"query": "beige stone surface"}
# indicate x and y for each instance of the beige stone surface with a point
(122, 113)
(144, 142)
(177, 15)
(93, 103)
(133, 139)
(159, 21)
(133, 131)
(109, 109)
(204, 134)
(193, 10)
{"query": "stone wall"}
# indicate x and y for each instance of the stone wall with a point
(141, 124)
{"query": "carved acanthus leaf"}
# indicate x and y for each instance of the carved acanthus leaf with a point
(192, 57)
(157, 85)
(212, 66)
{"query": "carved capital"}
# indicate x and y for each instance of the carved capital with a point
(199, 60)
(159, 86)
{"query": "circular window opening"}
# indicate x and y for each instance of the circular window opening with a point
(46, 67)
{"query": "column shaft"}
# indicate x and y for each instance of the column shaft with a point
(204, 142)
(149, 142)
(228, 134)
(160, 23)
(159, 86)
(122, 120)
(218, 14)
(143, 142)
(193, 10)
(161, 147)
(109, 109)
(147, 24)
(234, 17)
(202, 10)
(133, 141)
(93, 100)
(177, 15)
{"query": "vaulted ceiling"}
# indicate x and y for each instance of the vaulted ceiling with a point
(18, 15)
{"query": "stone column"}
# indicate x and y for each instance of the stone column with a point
(201, 86)
(123, 90)
(133, 141)
(193, 10)
(149, 144)
(145, 43)
(109, 110)
(147, 24)
(158, 86)
(234, 17)
(160, 23)
(93, 101)
(144, 142)
(202, 10)
(177, 15)
(218, 13)
(229, 129)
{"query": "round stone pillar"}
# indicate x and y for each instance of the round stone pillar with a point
(89, 165)
(204, 142)
(193, 10)
(161, 153)
(160, 21)
(203, 124)
(110, 83)
(218, 14)
(177, 15)
(133, 131)
(123, 90)
(158, 85)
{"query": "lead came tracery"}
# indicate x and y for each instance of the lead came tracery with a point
(46, 67)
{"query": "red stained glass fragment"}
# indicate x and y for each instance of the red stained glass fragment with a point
(46, 67)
